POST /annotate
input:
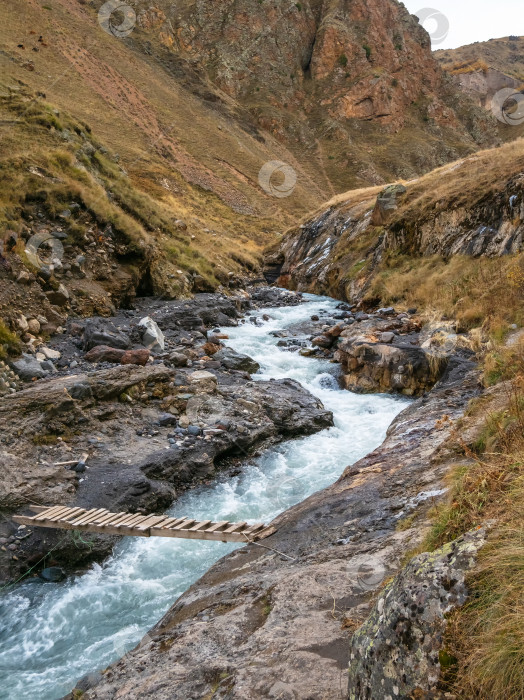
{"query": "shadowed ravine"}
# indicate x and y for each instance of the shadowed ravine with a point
(54, 633)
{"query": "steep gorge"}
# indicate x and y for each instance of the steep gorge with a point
(150, 180)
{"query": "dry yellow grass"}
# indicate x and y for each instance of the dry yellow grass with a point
(471, 66)
(463, 288)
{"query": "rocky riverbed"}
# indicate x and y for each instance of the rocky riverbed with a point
(127, 416)
(134, 435)
(276, 622)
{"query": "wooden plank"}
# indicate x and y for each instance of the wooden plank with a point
(111, 518)
(196, 535)
(134, 521)
(185, 525)
(72, 515)
(200, 526)
(265, 533)
(177, 522)
(23, 520)
(50, 512)
(81, 516)
(91, 519)
(118, 521)
(37, 509)
(106, 518)
(253, 529)
(171, 521)
(114, 521)
(152, 520)
(138, 525)
(218, 526)
(235, 528)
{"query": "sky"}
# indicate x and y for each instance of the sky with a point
(457, 22)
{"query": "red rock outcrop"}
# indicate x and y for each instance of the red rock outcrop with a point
(337, 76)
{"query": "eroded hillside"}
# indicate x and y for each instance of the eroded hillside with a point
(450, 241)
(491, 73)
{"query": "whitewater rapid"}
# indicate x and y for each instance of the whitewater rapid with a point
(52, 634)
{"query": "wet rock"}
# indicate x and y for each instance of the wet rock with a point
(204, 310)
(271, 602)
(88, 681)
(379, 367)
(231, 359)
(53, 574)
(152, 336)
(323, 341)
(396, 652)
(102, 332)
(80, 467)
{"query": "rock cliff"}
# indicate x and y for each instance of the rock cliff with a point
(339, 82)
(472, 208)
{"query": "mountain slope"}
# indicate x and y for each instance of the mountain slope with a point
(176, 117)
(505, 55)
(492, 74)
(349, 86)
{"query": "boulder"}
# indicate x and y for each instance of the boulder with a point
(100, 331)
(152, 336)
(396, 652)
(80, 390)
(22, 323)
(103, 353)
(178, 359)
(379, 367)
(231, 359)
(60, 297)
(50, 354)
(24, 277)
(210, 348)
(53, 574)
(203, 382)
(167, 419)
(28, 368)
(323, 341)
(135, 357)
(387, 204)
(335, 331)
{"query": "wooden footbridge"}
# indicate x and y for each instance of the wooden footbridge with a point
(101, 521)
